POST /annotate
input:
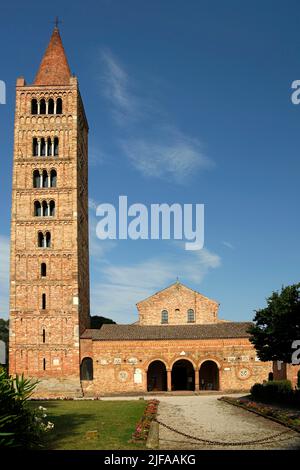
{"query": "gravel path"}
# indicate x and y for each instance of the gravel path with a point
(208, 418)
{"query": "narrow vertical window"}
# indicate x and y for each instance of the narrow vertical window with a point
(52, 208)
(44, 364)
(44, 337)
(43, 270)
(40, 240)
(44, 305)
(59, 106)
(45, 179)
(49, 147)
(37, 209)
(43, 147)
(190, 316)
(48, 239)
(45, 209)
(35, 147)
(36, 179)
(55, 146)
(51, 106)
(164, 316)
(42, 106)
(53, 177)
(34, 107)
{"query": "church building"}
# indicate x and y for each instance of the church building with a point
(178, 342)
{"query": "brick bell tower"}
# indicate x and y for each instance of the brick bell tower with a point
(49, 270)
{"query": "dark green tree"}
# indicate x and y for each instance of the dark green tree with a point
(4, 330)
(97, 321)
(278, 325)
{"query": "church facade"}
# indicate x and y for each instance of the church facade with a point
(178, 342)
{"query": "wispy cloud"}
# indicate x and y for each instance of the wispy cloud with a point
(125, 106)
(4, 276)
(122, 286)
(173, 156)
(155, 148)
(228, 245)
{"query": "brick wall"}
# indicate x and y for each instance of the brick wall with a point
(177, 299)
(116, 362)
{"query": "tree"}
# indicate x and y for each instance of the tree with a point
(278, 325)
(97, 321)
(4, 329)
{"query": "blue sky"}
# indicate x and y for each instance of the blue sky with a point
(187, 102)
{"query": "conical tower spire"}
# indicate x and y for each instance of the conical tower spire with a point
(54, 68)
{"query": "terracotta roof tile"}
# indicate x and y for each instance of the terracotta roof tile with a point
(54, 68)
(139, 332)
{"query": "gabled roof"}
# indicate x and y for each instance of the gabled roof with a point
(177, 283)
(54, 68)
(164, 332)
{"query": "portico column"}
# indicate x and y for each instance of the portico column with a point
(197, 388)
(169, 380)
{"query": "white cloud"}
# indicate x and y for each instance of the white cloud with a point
(171, 156)
(4, 276)
(155, 149)
(123, 286)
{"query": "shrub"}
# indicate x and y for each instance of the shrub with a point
(278, 391)
(19, 425)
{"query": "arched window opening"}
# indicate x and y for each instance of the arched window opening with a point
(52, 208)
(190, 316)
(44, 364)
(48, 239)
(86, 369)
(34, 106)
(53, 178)
(49, 147)
(164, 316)
(55, 146)
(44, 304)
(51, 106)
(43, 270)
(37, 209)
(42, 106)
(44, 337)
(36, 179)
(45, 179)
(41, 239)
(43, 147)
(45, 209)
(59, 106)
(35, 147)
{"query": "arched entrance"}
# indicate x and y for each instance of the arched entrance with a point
(157, 377)
(183, 375)
(209, 376)
(86, 369)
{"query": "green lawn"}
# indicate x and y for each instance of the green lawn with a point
(114, 420)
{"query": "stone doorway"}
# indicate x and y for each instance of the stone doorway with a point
(183, 375)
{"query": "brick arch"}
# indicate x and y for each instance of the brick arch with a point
(210, 358)
(156, 359)
(178, 358)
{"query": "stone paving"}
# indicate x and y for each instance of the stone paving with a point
(206, 417)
